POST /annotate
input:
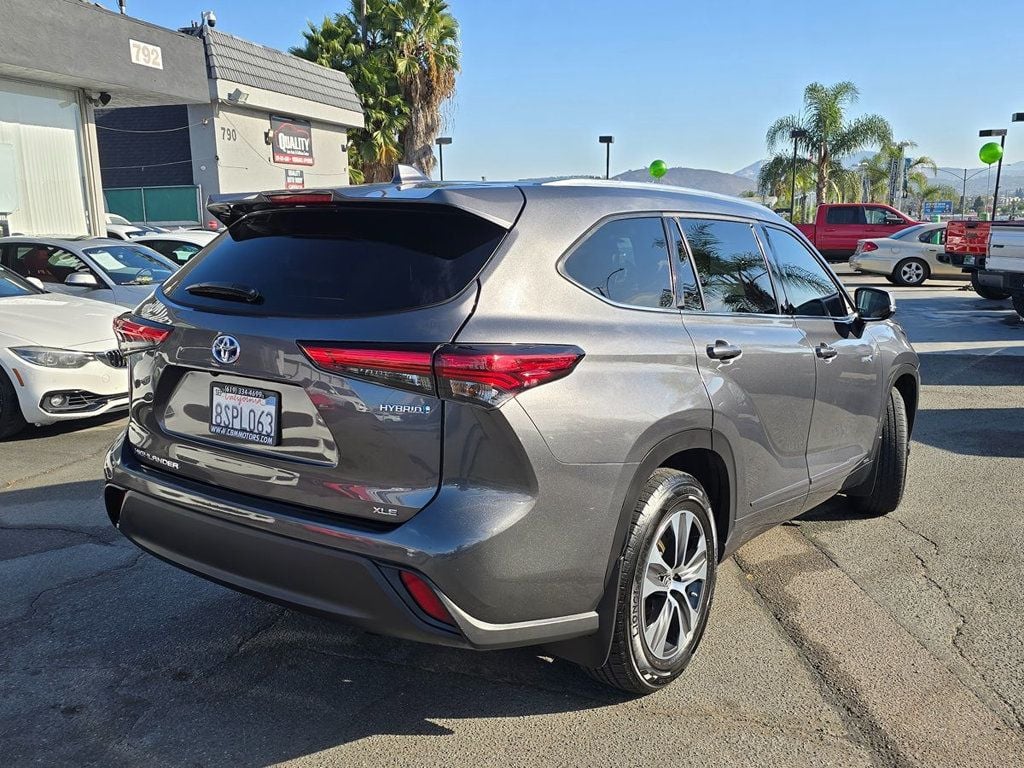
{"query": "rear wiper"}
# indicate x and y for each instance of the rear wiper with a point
(229, 291)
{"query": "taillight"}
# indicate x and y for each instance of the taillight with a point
(403, 368)
(869, 246)
(425, 597)
(493, 374)
(136, 335)
(483, 374)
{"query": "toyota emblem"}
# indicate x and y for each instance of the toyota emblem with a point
(226, 349)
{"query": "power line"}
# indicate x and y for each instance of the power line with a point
(155, 130)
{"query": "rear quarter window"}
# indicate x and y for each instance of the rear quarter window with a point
(342, 261)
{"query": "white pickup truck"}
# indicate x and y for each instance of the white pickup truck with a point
(994, 252)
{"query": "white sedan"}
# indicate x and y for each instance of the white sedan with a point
(178, 246)
(58, 356)
(907, 257)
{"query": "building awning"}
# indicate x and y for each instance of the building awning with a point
(71, 43)
(307, 88)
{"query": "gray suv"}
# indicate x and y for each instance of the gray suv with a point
(497, 415)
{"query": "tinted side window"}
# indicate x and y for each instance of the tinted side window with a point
(934, 237)
(844, 214)
(808, 287)
(46, 263)
(732, 271)
(626, 261)
(686, 278)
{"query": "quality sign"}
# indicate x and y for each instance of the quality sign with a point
(293, 141)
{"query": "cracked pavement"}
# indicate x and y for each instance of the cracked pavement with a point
(834, 640)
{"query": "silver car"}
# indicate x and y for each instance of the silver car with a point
(105, 270)
(908, 257)
(495, 415)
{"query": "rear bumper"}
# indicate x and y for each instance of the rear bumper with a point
(305, 561)
(1007, 281)
(862, 263)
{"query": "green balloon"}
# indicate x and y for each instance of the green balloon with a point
(990, 153)
(658, 169)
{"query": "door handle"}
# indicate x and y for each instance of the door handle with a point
(825, 351)
(723, 350)
(998, 245)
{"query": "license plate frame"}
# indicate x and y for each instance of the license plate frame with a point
(244, 396)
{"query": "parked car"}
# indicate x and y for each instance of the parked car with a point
(178, 246)
(119, 228)
(993, 253)
(838, 228)
(105, 270)
(58, 356)
(966, 248)
(909, 257)
(576, 399)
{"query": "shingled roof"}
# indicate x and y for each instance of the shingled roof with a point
(239, 61)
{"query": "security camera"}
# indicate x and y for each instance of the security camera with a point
(210, 19)
(104, 98)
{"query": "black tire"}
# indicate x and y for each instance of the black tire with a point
(987, 292)
(11, 420)
(631, 665)
(1018, 304)
(891, 279)
(922, 272)
(882, 492)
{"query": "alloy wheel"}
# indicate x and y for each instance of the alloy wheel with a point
(672, 595)
(912, 272)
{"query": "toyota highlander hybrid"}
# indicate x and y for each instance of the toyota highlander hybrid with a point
(496, 415)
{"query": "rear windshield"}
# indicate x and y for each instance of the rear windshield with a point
(341, 262)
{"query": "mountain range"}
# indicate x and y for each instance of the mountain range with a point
(745, 179)
(696, 178)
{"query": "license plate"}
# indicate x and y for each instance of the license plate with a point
(243, 413)
(968, 259)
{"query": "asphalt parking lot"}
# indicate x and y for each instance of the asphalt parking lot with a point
(833, 640)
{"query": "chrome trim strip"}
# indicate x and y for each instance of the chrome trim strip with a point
(484, 634)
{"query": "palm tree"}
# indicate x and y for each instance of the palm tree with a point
(402, 57)
(921, 190)
(341, 43)
(830, 137)
(426, 38)
(775, 179)
(877, 168)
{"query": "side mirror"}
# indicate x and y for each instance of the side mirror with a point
(82, 280)
(35, 281)
(874, 304)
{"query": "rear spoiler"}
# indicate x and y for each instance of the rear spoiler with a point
(497, 202)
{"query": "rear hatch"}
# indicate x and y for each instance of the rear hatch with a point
(287, 361)
(1006, 247)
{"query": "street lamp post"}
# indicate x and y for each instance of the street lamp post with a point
(963, 196)
(863, 166)
(442, 142)
(1001, 133)
(796, 134)
(607, 141)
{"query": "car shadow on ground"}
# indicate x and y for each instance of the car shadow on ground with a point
(116, 658)
(989, 369)
(32, 432)
(989, 432)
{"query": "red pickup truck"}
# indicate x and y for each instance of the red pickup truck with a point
(838, 227)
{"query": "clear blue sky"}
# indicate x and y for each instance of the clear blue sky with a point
(694, 83)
